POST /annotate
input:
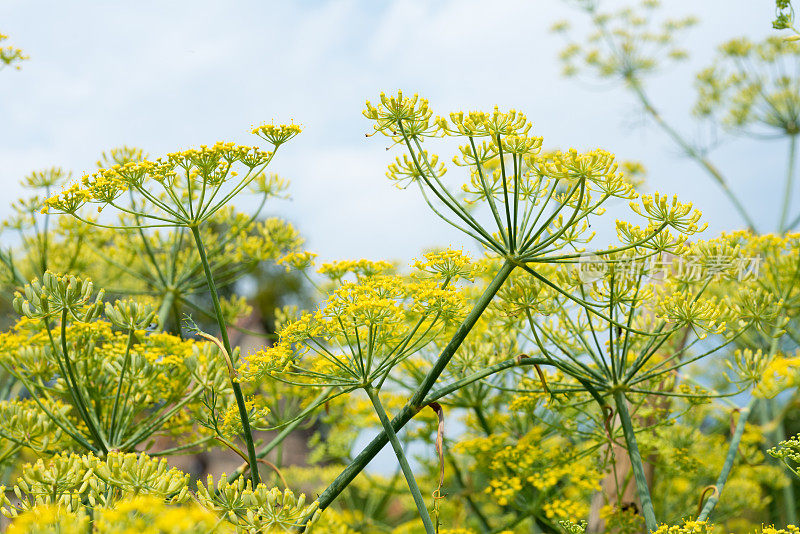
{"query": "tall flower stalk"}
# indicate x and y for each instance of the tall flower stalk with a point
(184, 190)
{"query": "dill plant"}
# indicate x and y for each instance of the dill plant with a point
(747, 92)
(10, 56)
(552, 370)
(425, 332)
(195, 184)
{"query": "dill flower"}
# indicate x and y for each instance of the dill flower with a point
(72, 481)
(507, 172)
(256, 510)
(49, 519)
(181, 188)
(688, 527)
(365, 327)
(627, 44)
(395, 113)
(56, 294)
(276, 134)
(658, 209)
(10, 55)
(150, 515)
(749, 85)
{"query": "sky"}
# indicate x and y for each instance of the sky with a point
(165, 76)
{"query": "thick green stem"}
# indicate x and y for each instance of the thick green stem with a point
(401, 458)
(482, 420)
(458, 338)
(416, 403)
(637, 465)
(165, 309)
(237, 390)
(733, 448)
(787, 191)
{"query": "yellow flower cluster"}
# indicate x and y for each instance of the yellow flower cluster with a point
(133, 493)
(150, 515)
(27, 424)
(396, 114)
(230, 424)
(564, 509)
(626, 44)
(49, 519)
(71, 481)
(532, 462)
(277, 134)
(268, 240)
(704, 315)
(299, 261)
(790, 529)
(182, 188)
(206, 166)
(253, 511)
(366, 326)
(747, 85)
(337, 270)
(10, 55)
(447, 264)
(658, 210)
(162, 370)
(482, 124)
(688, 527)
(781, 373)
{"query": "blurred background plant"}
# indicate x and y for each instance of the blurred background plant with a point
(10, 56)
(749, 93)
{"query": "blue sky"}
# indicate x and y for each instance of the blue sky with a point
(169, 75)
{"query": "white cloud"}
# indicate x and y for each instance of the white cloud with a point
(165, 75)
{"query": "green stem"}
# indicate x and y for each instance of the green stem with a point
(401, 458)
(164, 311)
(77, 394)
(787, 192)
(693, 153)
(467, 497)
(157, 421)
(416, 403)
(112, 430)
(288, 429)
(464, 328)
(484, 424)
(181, 448)
(7, 259)
(789, 500)
(637, 465)
(733, 448)
(237, 390)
